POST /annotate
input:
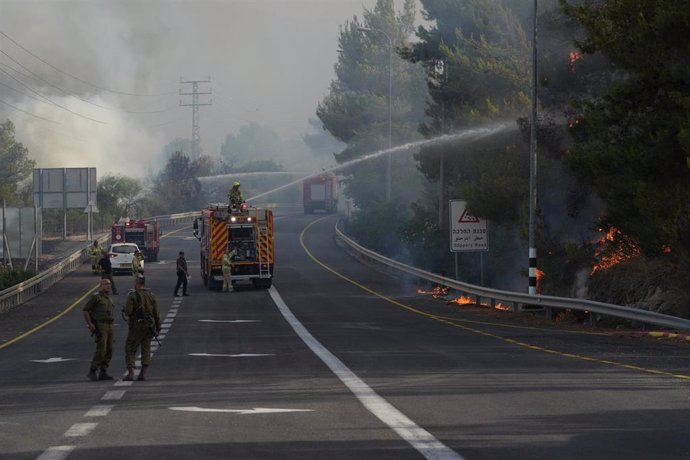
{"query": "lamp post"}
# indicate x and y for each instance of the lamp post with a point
(533, 165)
(390, 102)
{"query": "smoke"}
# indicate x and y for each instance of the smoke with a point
(97, 83)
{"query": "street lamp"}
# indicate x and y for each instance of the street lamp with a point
(533, 165)
(390, 102)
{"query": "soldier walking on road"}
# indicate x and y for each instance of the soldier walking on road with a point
(144, 324)
(182, 275)
(99, 313)
(95, 253)
(107, 270)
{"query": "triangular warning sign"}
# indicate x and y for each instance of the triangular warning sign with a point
(467, 218)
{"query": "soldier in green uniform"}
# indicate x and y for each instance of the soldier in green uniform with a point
(144, 324)
(99, 313)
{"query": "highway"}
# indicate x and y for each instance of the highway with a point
(338, 360)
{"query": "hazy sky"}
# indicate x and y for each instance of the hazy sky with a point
(269, 61)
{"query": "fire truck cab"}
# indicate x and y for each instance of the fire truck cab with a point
(144, 233)
(249, 231)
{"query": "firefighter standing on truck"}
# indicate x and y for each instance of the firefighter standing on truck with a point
(227, 269)
(95, 253)
(235, 199)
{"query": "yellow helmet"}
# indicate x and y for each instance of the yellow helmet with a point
(236, 184)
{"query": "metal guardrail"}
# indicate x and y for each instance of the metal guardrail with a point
(517, 299)
(27, 290)
(22, 292)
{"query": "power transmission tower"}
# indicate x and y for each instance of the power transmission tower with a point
(196, 139)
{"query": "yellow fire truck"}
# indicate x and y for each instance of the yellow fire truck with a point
(249, 231)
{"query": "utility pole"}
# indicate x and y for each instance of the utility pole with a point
(196, 139)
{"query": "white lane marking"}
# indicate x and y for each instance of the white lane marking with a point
(99, 411)
(228, 320)
(122, 383)
(167, 320)
(58, 359)
(241, 355)
(56, 453)
(80, 429)
(113, 395)
(416, 436)
(256, 410)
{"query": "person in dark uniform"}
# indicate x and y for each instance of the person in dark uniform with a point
(99, 313)
(107, 270)
(144, 323)
(182, 275)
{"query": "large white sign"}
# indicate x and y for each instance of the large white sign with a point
(64, 188)
(467, 232)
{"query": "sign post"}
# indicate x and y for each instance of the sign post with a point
(468, 233)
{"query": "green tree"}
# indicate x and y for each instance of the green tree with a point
(15, 165)
(118, 196)
(254, 146)
(355, 111)
(177, 189)
(633, 143)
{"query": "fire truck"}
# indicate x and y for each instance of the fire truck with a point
(144, 233)
(320, 193)
(250, 231)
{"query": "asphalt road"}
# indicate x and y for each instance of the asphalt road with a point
(338, 360)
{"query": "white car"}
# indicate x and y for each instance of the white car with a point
(121, 255)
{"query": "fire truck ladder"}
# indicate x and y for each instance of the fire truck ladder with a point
(264, 253)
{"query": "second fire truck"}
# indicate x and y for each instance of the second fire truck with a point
(144, 233)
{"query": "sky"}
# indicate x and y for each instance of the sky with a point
(96, 83)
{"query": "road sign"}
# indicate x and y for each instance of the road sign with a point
(467, 232)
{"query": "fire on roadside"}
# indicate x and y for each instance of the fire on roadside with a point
(438, 291)
(613, 248)
(442, 292)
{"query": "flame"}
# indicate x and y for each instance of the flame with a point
(614, 248)
(442, 291)
(438, 291)
(573, 57)
(464, 300)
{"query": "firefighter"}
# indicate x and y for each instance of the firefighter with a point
(95, 253)
(235, 199)
(227, 268)
(138, 265)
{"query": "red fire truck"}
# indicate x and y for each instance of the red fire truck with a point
(250, 231)
(144, 233)
(320, 193)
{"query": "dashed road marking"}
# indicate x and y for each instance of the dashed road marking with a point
(99, 411)
(113, 395)
(56, 453)
(80, 429)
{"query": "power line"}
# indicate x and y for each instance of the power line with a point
(51, 101)
(32, 74)
(29, 113)
(79, 79)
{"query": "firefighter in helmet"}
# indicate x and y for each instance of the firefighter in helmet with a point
(230, 253)
(138, 265)
(95, 253)
(235, 199)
